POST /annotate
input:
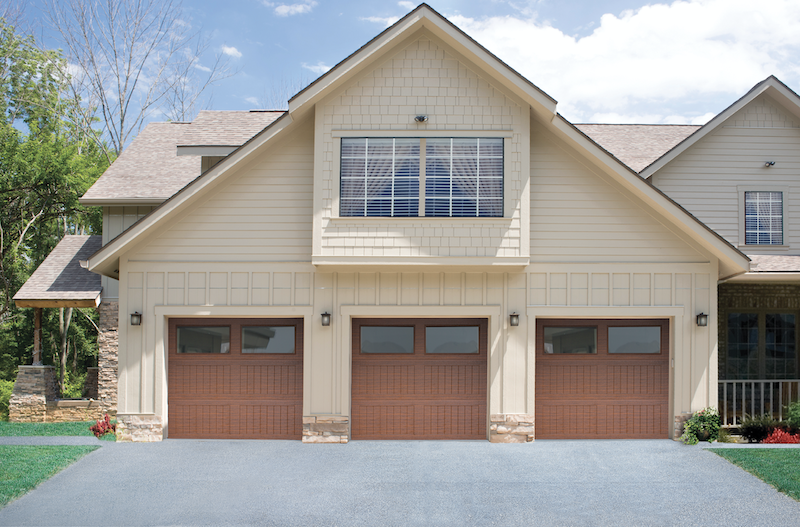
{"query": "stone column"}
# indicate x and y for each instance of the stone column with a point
(34, 387)
(108, 358)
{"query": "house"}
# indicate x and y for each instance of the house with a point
(421, 247)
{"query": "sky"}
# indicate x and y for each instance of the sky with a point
(604, 61)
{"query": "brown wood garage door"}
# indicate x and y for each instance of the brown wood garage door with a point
(419, 379)
(613, 387)
(235, 379)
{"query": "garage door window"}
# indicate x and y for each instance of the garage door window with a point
(453, 339)
(268, 339)
(387, 339)
(209, 339)
(574, 340)
(641, 339)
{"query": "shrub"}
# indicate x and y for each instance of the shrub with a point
(73, 385)
(780, 435)
(793, 415)
(704, 424)
(5, 396)
(756, 429)
(103, 427)
(725, 436)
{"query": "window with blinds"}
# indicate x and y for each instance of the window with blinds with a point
(763, 218)
(436, 177)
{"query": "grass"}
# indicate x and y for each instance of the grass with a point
(23, 467)
(49, 429)
(779, 467)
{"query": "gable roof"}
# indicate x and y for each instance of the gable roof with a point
(770, 86)
(229, 129)
(732, 261)
(60, 281)
(148, 171)
(637, 145)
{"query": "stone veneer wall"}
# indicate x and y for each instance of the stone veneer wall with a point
(64, 410)
(35, 385)
(511, 428)
(326, 429)
(90, 384)
(107, 361)
(139, 428)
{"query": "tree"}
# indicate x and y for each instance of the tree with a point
(133, 58)
(46, 163)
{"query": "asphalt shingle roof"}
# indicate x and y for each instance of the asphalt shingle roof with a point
(637, 145)
(149, 168)
(770, 263)
(234, 128)
(61, 277)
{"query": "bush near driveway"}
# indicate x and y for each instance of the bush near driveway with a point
(23, 467)
(780, 467)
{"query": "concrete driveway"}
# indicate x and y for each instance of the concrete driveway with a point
(182, 482)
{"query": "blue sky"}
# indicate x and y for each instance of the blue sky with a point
(604, 61)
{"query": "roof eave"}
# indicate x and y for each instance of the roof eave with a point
(115, 202)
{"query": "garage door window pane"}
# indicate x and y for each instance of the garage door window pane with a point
(458, 339)
(387, 339)
(268, 339)
(570, 340)
(634, 339)
(204, 339)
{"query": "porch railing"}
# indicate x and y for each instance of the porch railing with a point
(738, 399)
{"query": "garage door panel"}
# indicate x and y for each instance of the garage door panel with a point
(594, 394)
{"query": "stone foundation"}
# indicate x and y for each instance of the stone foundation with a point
(107, 360)
(680, 420)
(139, 428)
(34, 387)
(326, 429)
(511, 428)
(65, 410)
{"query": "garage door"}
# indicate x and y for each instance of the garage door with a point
(235, 379)
(419, 379)
(602, 379)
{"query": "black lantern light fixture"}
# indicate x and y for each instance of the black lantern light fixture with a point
(513, 319)
(326, 319)
(136, 319)
(702, 320)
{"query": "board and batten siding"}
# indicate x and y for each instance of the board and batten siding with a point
(579, 216)
(263, 213)
(115, 221)
(708, 178)
(423, 78)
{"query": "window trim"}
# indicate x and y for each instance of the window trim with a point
(336, 179)
(741, 190)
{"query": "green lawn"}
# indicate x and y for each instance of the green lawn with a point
(780, 467)
(49, 429)
(24, 467)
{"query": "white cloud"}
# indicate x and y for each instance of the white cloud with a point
(407, 5)
(387, 21)
(252, 100)
(319, 68)
(291, 9)
(680, 58)
(202, 68)
(231, 51)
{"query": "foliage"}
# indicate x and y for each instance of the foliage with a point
(73, 385)
(756, 428)
(725, 436)
(705, 422)
(5, 396)
(24, 467)
(793, 415)
(779, 435)
(46, 164)
(104, 426)
(80, 428)
(779, 467)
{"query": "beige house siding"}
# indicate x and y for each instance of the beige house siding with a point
(423, 78)
(115, 221)
(578, 215)
(262, 213)
(710, 177)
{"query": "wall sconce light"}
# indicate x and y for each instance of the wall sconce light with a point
(513, 319)
(702, 320)
(136, 319)
(421, 118)
(769, 164)
(326, 319)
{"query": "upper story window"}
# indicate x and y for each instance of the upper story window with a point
(763, 218)
(437, 177)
